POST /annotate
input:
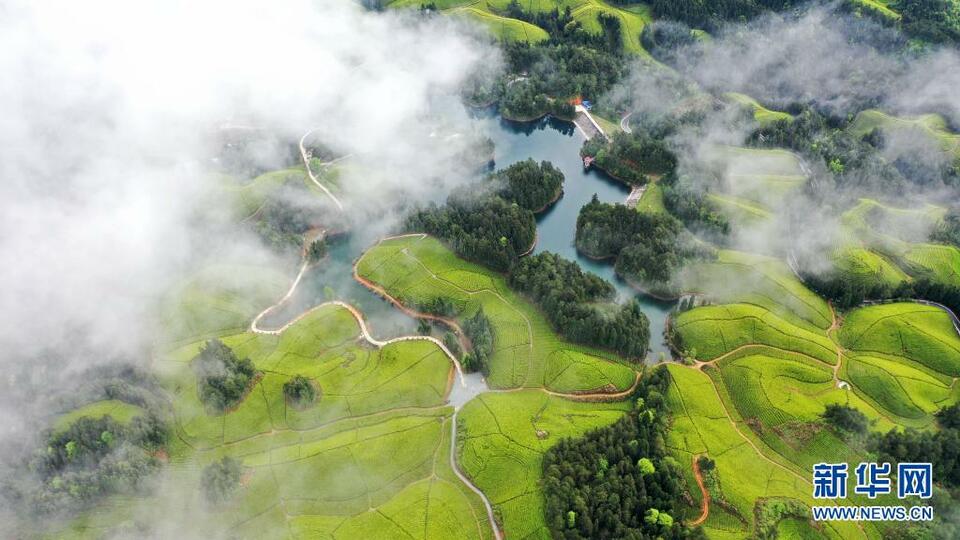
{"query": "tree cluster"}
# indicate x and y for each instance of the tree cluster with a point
(948, 230)
(618, 481)
(941, 448)
(220, 480)
(531, 185)
(847, 161)
(846, 293)
(92, 458)
(937, 21)
(691, 206)
(480, 333)
(846, 418)
(222, 378)
(300, 391)
(573, 62)
(649, 247)
(629, 157)
(580, 304)
(487, 229)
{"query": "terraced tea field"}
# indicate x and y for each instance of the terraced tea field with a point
(506, 432)
(761, 114)
(320, 471)
(930, 126)
(504, 437)
(491, 14)
(704, 425)
(885, 245)
(417, 269)
(767, 365)
(753, 182)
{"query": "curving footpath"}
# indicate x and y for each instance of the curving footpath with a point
(456, 470)
(705, 495)
(306, 164)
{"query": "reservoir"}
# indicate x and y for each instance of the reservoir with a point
(559, 142)
(546, 139)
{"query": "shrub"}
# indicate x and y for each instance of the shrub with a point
(220, 480)
(222, 377)
(299, 391)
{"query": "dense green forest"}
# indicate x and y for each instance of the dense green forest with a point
(573, 62)
(618, 481)
(689, 203)
(480, 333)
(222, 378)
(580, 304)
(531, 185)
(488, 229)
(630, 157)
(74, 466)
(936, 21)
(648, 247)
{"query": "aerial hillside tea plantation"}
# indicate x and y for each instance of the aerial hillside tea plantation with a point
(487, 270)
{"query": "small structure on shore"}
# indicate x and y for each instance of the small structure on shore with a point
(587, 162)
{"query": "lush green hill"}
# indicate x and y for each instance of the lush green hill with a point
(318, 471)
(505, 433)
(932, 126)
(491, 14)
(885, 245)
(761, 114)
(417, 269)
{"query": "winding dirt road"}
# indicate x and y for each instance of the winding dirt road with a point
(456, 470)
(306, 163)
(365, 333)
(705, 495)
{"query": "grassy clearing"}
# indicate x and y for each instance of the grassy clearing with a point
(652, 199)
(323, 465)
(527, 353)
(504, 437)
(761, 114)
